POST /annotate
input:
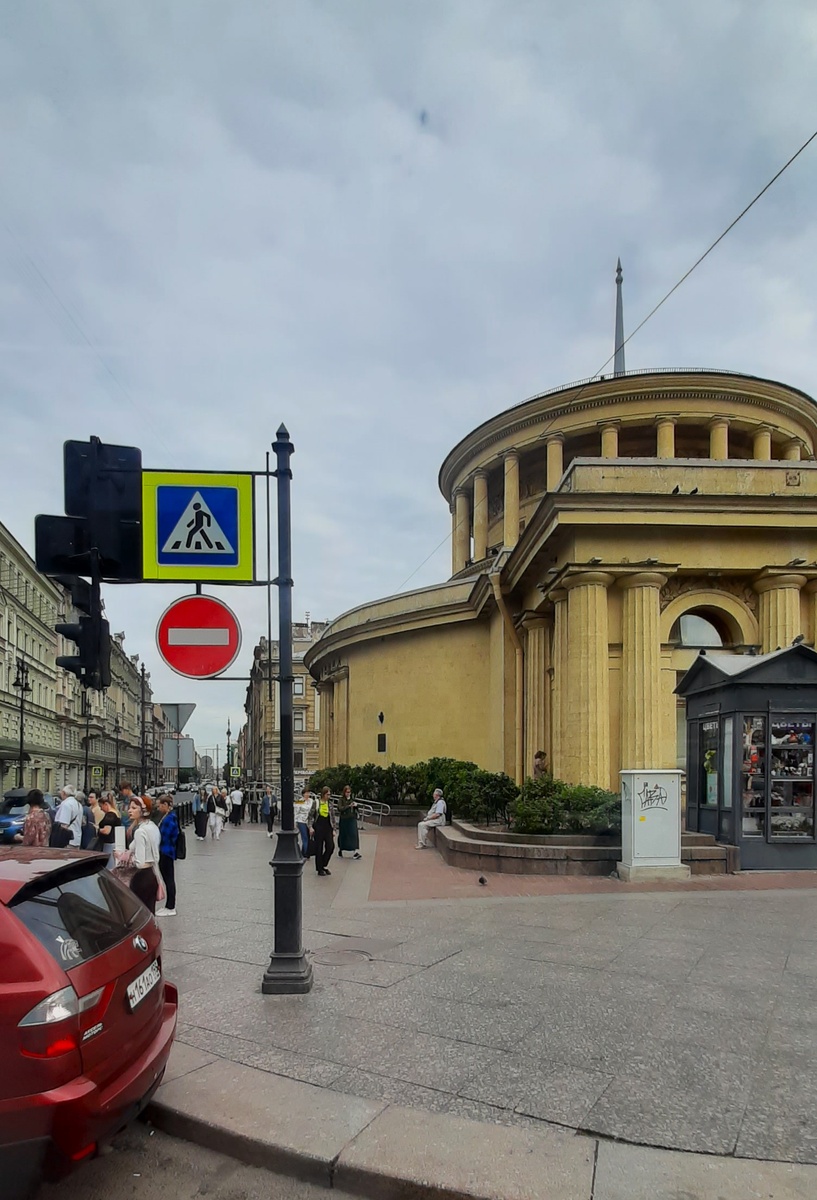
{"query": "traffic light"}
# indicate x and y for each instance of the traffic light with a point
(92, 663)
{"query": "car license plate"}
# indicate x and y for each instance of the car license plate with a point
(143, 984)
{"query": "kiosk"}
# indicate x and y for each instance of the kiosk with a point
(751, 722)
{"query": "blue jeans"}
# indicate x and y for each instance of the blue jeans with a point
(303, 830)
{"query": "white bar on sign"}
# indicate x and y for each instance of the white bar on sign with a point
(198, 637)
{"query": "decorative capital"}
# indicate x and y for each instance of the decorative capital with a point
(718, 423)
(555, 438)
(769, 583)
(587, 579)
(643, 579)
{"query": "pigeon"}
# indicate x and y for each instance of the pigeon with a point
(482, 880)
(694, 492)
(801, 637)
(676, 489)
(796, 562)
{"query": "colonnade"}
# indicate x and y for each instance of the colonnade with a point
(568, 669)
(469, 508)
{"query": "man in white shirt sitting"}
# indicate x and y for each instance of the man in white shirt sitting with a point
(434, 817)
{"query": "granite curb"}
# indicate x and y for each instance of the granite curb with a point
(388, 1152)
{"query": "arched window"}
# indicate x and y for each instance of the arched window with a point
(698, 629)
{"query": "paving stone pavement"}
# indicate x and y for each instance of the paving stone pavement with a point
(678, 1019)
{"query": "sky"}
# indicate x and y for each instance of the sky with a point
(381, 222)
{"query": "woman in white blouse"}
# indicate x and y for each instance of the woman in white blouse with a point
(143, 842)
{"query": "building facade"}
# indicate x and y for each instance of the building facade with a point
(601, 533)
(262, 733)
(58, 716)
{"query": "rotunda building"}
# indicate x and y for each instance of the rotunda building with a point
(602, 532)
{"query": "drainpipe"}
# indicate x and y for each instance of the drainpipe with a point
(520, 681)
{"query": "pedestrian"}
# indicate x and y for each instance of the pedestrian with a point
(226, 804)
(433, 818)
(254, 803)
(303, 808)
(37, 825)
(143, 848)
(88, 835)
(266, 809)
(236, 806)
(540, 768)
(200, 814)
(125, 797)
(348, 836)
(106, 837)
(216, 814)
(95, 807)
(323, 828)
(168, 843)
(67, 830)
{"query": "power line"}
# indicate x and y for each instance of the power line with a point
(650, 314)
(66, 310)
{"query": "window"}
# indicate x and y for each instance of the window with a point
(381, 743)
(298, 722)
(299, 760)
(298, 685)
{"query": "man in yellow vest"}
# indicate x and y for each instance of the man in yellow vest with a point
(320, 817)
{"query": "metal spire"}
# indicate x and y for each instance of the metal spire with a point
(618, 362)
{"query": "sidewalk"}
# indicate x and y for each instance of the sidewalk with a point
(677, 1019)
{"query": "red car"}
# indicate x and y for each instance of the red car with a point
(86, 1017)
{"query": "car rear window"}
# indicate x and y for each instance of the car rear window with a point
(79, 917)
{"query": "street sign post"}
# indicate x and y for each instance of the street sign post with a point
(235, 772)
(198, 525)
(198, 636)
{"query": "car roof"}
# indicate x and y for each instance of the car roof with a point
(20, 865)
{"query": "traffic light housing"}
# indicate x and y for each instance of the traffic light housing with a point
(92, 662)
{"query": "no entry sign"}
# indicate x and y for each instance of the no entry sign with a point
(198, 637)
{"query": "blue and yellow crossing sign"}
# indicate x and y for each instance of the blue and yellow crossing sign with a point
(198, 525)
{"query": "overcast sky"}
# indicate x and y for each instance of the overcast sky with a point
(380, 221)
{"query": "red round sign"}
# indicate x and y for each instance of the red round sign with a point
(198, 637)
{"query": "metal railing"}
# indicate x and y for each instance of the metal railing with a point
(366, 809)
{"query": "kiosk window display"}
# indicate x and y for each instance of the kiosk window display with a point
(754, 790)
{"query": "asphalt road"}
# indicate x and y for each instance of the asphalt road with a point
(147, 1165)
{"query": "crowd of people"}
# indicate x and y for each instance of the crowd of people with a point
(153, 839)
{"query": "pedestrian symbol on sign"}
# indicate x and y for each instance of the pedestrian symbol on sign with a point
(197, 525)
(197, 530)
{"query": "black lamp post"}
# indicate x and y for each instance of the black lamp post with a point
(289, 969)
(86, 711)
(117, 729)
(228, 772)
(21, 682)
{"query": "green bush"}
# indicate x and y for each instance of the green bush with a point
(544, 806)
(550, 806)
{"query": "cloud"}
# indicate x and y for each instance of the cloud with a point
(381, 224)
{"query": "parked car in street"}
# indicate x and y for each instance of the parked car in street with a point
(87, 1018)
(13, 812)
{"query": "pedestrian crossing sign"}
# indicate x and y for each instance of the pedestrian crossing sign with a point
(198, 525)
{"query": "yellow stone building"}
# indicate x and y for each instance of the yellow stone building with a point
(601, 533)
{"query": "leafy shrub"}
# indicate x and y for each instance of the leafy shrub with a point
(550, 806)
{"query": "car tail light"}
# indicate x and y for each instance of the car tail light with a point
(52, 1026)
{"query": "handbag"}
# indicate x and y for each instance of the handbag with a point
(310, 848)
(181, 845)
(60, 836)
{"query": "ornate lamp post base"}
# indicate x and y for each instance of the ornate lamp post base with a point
(289, 971)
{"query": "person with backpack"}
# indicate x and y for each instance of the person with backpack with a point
(171, 843)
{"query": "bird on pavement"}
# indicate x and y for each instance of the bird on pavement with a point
(483, 880)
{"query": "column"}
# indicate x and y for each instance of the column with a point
(811, 592)
(511, 531)
(342, 717)
(719, 438)
(665, 437)
(586, 722)
(792, 451)
(555, 460)
(558, 681)
(641, 701)
(480, 515)
(779, 610)
(609, 439)
(536, 663)
(762, 444)
(462, 530)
